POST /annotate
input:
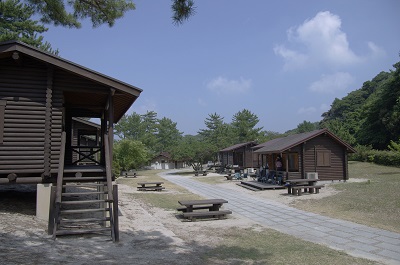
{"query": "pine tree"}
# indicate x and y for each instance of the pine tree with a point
(16, 24)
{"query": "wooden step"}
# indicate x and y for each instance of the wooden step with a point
(83, 202)
(84, 179)
(248, 187)
(83, 220)
(82, 231)
(83, 193)
(88, 185)
(84, 210)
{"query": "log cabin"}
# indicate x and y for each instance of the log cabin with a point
(41, 96)
(239, 155)
(317, 154)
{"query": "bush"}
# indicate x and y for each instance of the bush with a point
(367, 154)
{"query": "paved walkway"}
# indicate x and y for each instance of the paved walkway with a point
(357, 240)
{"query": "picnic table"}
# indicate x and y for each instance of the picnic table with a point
(145, 186)
(296, 185)
(213, 206)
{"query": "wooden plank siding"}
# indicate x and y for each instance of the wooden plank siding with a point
(324, 143)
(23, 89)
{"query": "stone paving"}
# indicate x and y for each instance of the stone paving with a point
(355, 239)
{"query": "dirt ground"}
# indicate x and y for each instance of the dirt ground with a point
(147, 235)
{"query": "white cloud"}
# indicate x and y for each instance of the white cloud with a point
(331, 83)
(376, 51)
(321, 40)
(221, 85)
(307, 111)
(293, 59)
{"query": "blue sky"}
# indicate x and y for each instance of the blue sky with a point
(285, 61)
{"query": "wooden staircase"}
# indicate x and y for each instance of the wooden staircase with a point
(84, 205)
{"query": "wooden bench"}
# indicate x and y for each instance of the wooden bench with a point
(145, 186)
(216, 214)
(296, 190)
(195, 207)
(155, 188)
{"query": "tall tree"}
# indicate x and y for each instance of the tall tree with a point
(168, 135)
(148, 129)
(218, 134)
(381, 113)
(69, 13)
(129, 127)
(243, 124)
(307, 126)
(16, 23)
(129, 154)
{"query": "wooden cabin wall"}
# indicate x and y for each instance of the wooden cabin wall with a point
(23, 91)
(335, 171)
(248, 157)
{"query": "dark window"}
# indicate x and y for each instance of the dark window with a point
(2, 114)
(324, 158)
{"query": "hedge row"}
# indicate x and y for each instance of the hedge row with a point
(366, 154)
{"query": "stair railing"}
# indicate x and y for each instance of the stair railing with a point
(111, 203)
(60, 176)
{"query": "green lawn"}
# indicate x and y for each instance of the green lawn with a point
(374, 202)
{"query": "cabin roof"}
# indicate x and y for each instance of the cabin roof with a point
(236, 146)
(124, 95)
(283, 144)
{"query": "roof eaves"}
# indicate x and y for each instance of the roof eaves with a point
(69, 66)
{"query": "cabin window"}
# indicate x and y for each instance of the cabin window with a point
(293, 160)
(324, 158)
(2, 114)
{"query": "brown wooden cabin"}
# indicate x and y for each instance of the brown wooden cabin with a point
(318, 151)
(40, 94)
(240, 155)
(42, 97)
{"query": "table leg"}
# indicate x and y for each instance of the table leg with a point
(216, 207)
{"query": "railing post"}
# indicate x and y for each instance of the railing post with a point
(108, 167)
(116, 212)
(58, 192)
(51, 223)
(60, 172)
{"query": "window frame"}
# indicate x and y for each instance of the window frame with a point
(324, 158)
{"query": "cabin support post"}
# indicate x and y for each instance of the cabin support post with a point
(47, 125)
(111, 121)
(3, 104)
(43, 195)
(303, 158)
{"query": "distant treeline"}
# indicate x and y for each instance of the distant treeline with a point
(367, 118)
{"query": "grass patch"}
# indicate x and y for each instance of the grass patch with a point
(167, 199)
(248, 246)
(374, 202)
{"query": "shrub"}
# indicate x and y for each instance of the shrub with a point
(367, 154)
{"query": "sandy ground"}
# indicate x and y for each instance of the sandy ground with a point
(147, 235)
